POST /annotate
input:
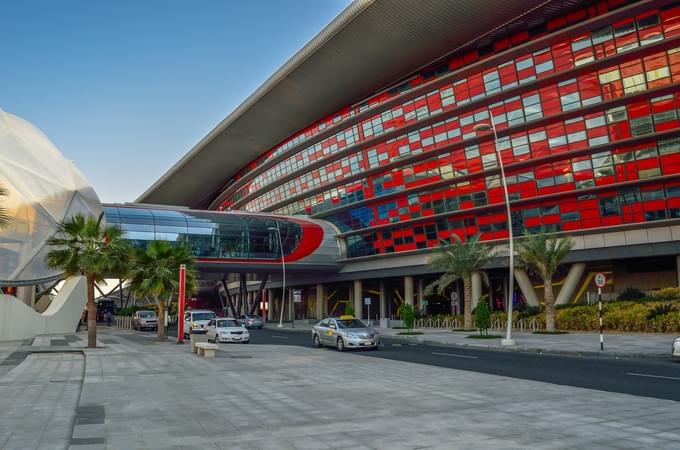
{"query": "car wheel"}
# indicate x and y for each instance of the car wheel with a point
(340, 345)
(317, 342)
(246, 342)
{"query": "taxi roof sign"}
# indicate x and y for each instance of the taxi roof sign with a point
(346, 317)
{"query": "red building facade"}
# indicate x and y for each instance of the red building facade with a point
(586, 112)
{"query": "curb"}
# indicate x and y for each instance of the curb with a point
(540, 351)
(582, 353)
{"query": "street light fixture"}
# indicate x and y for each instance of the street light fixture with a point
(491, 126)
(283, 266)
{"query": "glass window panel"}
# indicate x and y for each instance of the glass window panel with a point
(601, 35)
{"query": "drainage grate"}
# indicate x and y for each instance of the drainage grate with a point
(90, 415)
(88, 441)
(58, 343)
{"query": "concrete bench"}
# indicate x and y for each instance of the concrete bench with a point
(206, 349)
(196, 339)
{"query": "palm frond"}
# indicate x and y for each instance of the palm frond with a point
(156, 271)
(544, 252)
(81, 245)
(458, 260)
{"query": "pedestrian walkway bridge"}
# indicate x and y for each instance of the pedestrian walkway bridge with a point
(232, 241)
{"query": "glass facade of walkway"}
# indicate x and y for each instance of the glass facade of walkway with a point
(208, 234)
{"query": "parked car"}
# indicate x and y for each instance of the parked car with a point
(676, 348)
(196, 321)
(249, 321)
(343, 333)
(227, 330)
(145, 320)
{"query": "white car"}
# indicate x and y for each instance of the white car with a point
(227, 330)
(196, 321)
(676, 349)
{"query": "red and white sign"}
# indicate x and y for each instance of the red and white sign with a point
(600, 280)
(180, 303)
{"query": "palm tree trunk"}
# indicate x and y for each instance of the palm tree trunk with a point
(467, 296)
(161, 320)
(91, 313)
(549, 299)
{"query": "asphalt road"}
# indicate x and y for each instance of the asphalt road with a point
(648, 378)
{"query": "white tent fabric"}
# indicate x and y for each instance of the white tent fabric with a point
(44, 189)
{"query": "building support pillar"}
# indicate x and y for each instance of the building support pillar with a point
(408, 290)
(570, 283)
(270, 305)
(320, 299)
(421, 296)
(358, 299)
(476, 288)
(526, 287)
(383, 301)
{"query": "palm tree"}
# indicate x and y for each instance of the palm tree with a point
(544, 253)
(459, 260)
(84, 246)
(4, 216)
(156, 275)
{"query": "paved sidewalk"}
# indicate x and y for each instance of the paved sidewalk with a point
(639, 345)
(137, 393)
(616, 344)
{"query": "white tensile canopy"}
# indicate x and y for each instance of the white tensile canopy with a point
(44, 188)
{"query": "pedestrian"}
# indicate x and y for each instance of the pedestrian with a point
(108, 317)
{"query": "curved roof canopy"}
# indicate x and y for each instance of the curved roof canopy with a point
(370, 45)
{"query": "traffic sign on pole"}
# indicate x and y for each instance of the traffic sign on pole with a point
(600, 281)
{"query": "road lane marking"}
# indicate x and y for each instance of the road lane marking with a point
(280, 337)
(456, 356)
(651, 376)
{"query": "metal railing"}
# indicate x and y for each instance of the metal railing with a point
(520, 325)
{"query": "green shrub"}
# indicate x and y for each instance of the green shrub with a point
(670, 293)
(529, 311)
(659, 310)
(482, 318)
(407, 315)
(631, 293)
(645, 315)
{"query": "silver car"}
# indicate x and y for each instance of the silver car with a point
(343, 333)
(676, 349)
(227, 330)
(145, 320)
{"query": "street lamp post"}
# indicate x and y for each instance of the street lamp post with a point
(283, 267)
(511, 276)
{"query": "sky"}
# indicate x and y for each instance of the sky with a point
(125, 88)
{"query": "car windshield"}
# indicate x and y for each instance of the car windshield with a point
(350, 323)
(204, 316)
(227, 323)
(147, 315)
